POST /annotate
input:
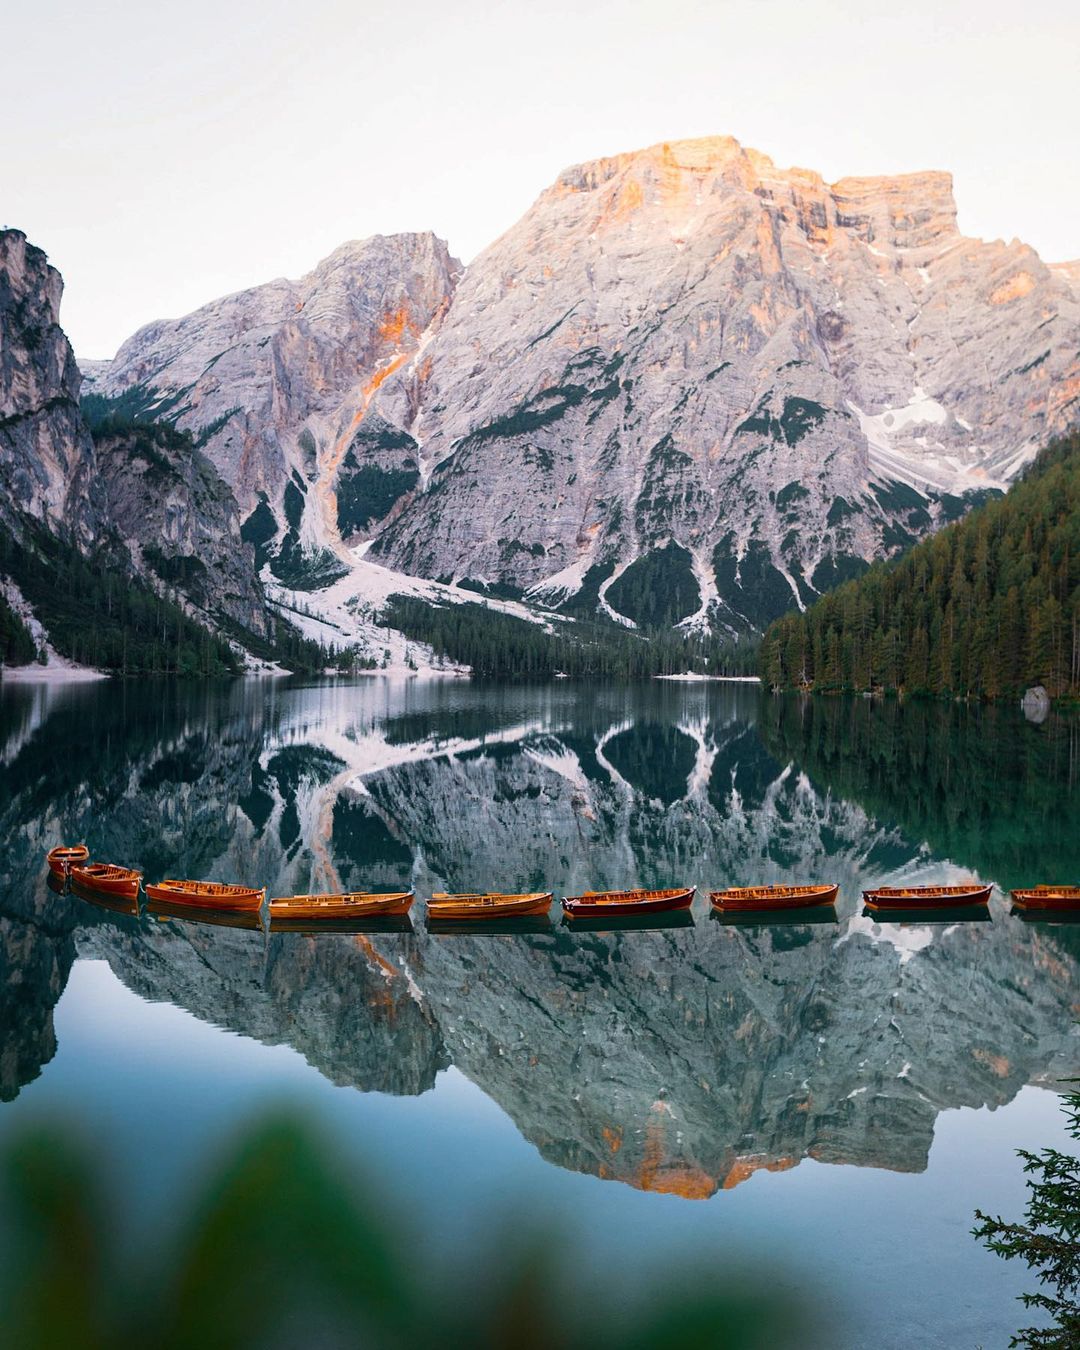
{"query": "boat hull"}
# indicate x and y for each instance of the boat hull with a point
(207, 895)
(618, 904)
(1058, 899)
(772, 899)
(62, 858)
(120, 882)
(926, 897)
(466, 908)
(336, 908)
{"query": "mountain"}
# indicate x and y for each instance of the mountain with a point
(987, 607)
(274, 383)
(120, 543)
(687, 386)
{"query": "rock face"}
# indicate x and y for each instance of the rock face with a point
(768, 377)
(144, 488)
(180, 523)
(46, 455)
(275, 383)
(685, 373)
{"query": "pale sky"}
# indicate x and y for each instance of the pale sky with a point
(164, 155)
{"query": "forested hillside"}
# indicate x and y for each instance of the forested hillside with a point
(985, 608)
(504, 646)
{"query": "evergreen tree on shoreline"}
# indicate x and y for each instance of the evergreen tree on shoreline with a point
(986, 607)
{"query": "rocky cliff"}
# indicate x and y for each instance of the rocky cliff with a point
(180, 522)
(136, 500)
(687, 362)
(46, 455)
(275, 384)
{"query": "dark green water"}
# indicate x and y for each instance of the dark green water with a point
(833, 1099)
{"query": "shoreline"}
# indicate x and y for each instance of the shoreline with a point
(692, 677)
(51, 674)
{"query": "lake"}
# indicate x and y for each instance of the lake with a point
(825, 1101)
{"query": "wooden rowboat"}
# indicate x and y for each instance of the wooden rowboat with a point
(207, 895)
(607, 904)
(927, 897)
(107, 879)
(1048, 897)
(492, 905)
(349, 905)
(64, 856)
(750, 899)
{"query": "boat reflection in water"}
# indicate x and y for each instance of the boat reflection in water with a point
(56, 884)
(631, 923)
(377, 923)
(743, 918)
(1045, 917)
(940, 914)
(524, 923)
(217, 918)
(115, 904)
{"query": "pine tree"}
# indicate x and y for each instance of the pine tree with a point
(1049, 1242)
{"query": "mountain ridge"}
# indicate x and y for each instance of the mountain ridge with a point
(680, 358)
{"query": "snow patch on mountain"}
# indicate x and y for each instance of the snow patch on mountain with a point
(934, 464)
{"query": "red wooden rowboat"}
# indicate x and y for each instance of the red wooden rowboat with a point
(1048, 897)
(493, 905)
(207, 895)
(107, 879)
(607, 904)
(927, 897)
(351, 905)
(62, 858)
(750, 899)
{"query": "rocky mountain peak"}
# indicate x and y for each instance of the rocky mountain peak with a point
(908, 211)
(275, 381)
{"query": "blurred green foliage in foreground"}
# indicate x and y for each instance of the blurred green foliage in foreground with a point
(277, 1251)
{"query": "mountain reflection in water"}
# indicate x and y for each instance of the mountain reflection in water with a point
(677, 1059)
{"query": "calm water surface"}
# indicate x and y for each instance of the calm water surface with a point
(830, 1099)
